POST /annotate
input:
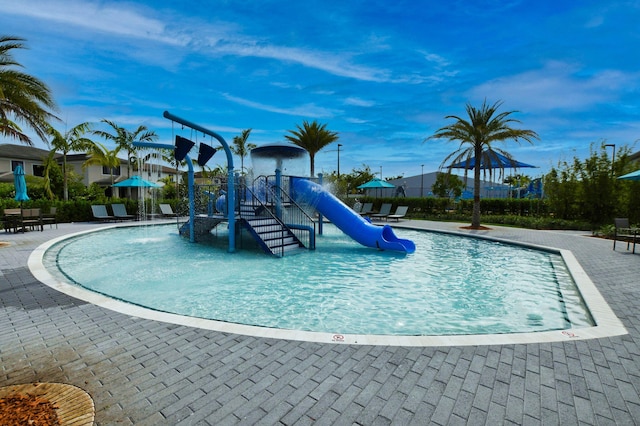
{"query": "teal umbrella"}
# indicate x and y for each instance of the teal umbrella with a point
(20, 184)
(136, 182)
(631, 176)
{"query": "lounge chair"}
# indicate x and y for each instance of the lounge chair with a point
(367, 209)
(100, 213)
(624, 232)
(167, 211)
(401, 211)
(120, 212)
(385, 210)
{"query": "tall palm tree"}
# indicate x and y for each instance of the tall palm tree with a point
(124, 139)
(23, 98)
(312, 137)
(72, 140)
(102, 156)
(476, 135)
(241, 147)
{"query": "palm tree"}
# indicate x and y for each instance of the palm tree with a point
(124, 139)
(312, 137)
(476, 135)
(23, 98)
(102, 156)
(241, 148)
(72, 140)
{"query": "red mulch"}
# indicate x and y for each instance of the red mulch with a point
(16, 410)
(477, 228)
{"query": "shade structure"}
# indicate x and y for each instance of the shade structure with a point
(136, 182)
(631, 176)
(20, 184)
(376, 183)
(489, 160)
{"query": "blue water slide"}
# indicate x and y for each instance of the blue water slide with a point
(350, 222)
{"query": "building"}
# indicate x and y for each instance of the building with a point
(32, 161)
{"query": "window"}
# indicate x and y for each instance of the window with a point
(38, 170)
(16, 163)
(107, 171)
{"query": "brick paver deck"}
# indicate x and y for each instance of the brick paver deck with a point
(152, 373)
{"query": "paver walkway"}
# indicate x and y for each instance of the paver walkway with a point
(145, 372)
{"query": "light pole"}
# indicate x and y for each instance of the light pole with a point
(613, 157)
(422, 181)
(380, 172)
(339, 145)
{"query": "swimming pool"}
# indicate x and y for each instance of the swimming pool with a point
(450, 286)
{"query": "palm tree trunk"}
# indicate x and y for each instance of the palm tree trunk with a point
(475, 217)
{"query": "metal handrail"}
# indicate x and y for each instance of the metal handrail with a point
(265, 210)
(297, 219)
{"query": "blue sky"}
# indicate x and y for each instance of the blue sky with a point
(382, 74)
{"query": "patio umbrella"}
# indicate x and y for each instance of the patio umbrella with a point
(20, 184)
(136, 181)
(631, 176)
(493, 161)
(376, 183)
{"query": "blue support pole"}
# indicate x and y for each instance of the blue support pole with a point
(320, 218)
(231, 193)
(231, 202)
(278, 199)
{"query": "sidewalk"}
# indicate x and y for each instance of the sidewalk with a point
(141, 371)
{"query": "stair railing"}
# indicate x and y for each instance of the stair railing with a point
(249, 198)
(296, 218)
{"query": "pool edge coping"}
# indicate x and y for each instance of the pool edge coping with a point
(607, 323)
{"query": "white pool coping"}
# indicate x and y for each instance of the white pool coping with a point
(607, 323)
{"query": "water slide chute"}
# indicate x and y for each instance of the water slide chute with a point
(348, 221)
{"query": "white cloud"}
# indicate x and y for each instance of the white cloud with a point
(556, 86)
(307, 110)
(354, 101)
(95, 16)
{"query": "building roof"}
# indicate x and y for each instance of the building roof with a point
(23, 152)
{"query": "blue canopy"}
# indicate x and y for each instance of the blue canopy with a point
(376, 183)
(20, 184)
(136, 182)
(631, 176)
(490, 160)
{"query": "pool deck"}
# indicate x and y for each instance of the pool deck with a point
(141, 371)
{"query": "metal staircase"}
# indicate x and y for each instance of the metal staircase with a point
(273, 235)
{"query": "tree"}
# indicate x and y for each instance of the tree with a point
(23, 98)
(102, 156)
(72, 140)
(446, 185)
(312, 137)
(476, 136)
(124, 139)
(241, 148)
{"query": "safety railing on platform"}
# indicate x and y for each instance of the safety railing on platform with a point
(295, 217)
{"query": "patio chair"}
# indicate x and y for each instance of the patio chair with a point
(167, 211)
(401, 211)
(624, 232)
(50, 218)
(120, 212)
(385, 210)
(32, 218)
(12, 220)
(367, 209)
(100, 213)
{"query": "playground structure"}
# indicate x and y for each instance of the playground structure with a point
(282, 212)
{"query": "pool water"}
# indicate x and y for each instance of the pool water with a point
(450, 285)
